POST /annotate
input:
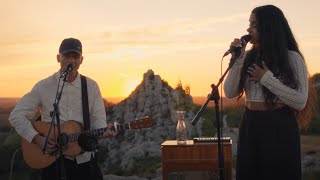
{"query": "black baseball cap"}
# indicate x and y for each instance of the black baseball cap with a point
(70, 45)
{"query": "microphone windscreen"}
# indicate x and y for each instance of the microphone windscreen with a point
(247, 37)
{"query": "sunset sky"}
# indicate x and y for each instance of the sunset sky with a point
(122, 39)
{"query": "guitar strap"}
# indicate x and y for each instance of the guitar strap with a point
(86, 120)
(85, 106)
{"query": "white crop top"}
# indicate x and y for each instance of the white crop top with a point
(295, 98)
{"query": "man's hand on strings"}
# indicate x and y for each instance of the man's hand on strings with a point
(40, 140)
(110, 132)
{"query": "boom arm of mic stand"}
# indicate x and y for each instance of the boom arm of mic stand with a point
(214, 89)
(198, 115)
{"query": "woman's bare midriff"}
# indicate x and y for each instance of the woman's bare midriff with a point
(261, 106)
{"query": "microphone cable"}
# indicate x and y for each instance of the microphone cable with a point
(11, 168)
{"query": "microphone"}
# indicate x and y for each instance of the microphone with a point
(233, 48)
(66, 71)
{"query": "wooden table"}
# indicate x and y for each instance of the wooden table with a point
(194, 157)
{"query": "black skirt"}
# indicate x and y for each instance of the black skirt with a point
(269, 146)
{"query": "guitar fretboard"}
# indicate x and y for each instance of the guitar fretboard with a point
(99, 132)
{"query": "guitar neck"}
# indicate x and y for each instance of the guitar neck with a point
(99, 132)
(136, 124)
(118, 128)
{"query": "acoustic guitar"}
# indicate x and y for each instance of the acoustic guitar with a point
(36, 158)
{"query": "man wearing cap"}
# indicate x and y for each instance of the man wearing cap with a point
(42, 97)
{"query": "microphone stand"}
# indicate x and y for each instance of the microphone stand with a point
(60, 140)
(216, 97)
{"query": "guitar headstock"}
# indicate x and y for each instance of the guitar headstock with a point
(143, 122)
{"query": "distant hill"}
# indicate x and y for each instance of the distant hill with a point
(226, 102)
(4, 102)
(198, 100)
(9, 103)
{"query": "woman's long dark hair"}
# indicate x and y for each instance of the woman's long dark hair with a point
(275, 39)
